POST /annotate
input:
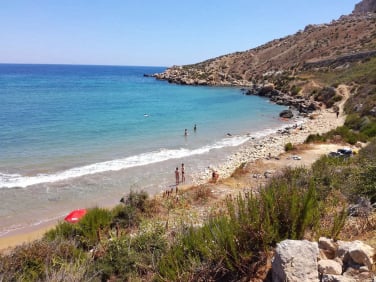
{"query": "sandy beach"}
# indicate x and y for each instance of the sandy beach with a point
(251, 152)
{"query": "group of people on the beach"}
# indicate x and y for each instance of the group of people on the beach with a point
(169, 192)
(177, 174)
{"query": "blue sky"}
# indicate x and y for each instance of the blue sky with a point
(150, 33)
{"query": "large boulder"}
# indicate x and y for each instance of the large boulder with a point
(286, 114)
(362, 254)
(295, 261)
(329, 261)
(266, 89)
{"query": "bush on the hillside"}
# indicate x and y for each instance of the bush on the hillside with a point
(354, 121)
(348, 135)
(312, 138)
(86, 231)
(369, 130)
(63, 230)
(326, 95)
(367, 184)
(129, 214)
(289, 147)
(224, 247)
(295, 90)
(137, 200)
(127, 258)
(32, 261)
(198, 249)
(367, 161)
(91, 225)
(332, 173)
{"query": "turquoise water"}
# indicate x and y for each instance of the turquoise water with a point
(82, 135)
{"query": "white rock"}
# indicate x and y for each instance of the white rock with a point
(295, 261)
(327, 266)
(362, 254)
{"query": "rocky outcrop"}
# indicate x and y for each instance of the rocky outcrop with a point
(186, 75)
(364, 7)
(302, 104)
(286, 114)
(326, 260)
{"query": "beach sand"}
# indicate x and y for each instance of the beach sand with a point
(255, 153)
(19, 238)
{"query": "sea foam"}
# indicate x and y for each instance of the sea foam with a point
(20, 181)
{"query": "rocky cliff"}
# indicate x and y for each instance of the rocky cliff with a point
(364, 7)
(346, 40)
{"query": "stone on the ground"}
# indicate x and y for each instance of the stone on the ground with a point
(295, 261)
(328, 266)
(361, 253)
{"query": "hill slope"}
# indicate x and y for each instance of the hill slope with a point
(349, 39)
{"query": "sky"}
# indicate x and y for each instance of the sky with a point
(150, 32)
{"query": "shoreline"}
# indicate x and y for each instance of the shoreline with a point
(321, 121)
(273, 144)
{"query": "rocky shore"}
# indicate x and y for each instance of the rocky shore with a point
(320, 121)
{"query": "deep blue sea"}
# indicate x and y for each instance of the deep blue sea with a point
(77, 136)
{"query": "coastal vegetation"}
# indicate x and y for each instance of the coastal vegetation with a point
(133, 241)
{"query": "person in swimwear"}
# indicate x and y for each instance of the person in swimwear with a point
(182, 173)
(177, 177)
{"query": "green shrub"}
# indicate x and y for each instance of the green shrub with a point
(295, 90)
(32, 261)
(348, 135)
(128, 258)
(137, 200)
(86, 231)
(125, 216)
(129, 214)
(289, 147)
(226, 246)
(63, 230)
(369, 130)
(198, 248)
(312, 138)
(90, 226)
(326, 96)
(353, 121)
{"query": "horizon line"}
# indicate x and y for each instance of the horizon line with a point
(68, 64)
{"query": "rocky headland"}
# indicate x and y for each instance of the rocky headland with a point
(349, 39)
(275, 69)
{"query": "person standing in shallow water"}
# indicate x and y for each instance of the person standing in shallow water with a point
(177, 177)
(182, 173)
(195, 128)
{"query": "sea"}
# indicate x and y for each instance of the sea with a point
(75, 136)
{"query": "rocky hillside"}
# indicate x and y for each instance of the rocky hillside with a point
(365, 7)
(349, 39)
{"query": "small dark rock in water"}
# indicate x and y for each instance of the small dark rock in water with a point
(286, 114)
